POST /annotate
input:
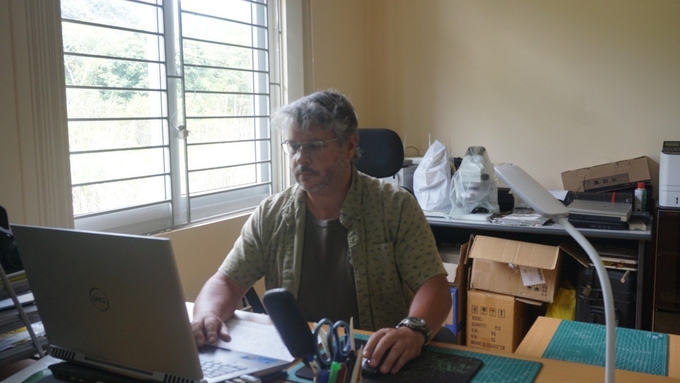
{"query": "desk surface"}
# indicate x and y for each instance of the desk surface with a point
(553, 371)
(539, 336)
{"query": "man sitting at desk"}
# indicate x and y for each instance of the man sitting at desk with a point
(345, 244)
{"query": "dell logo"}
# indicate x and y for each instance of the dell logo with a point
(99, 299)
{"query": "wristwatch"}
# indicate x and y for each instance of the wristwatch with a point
(417, 324)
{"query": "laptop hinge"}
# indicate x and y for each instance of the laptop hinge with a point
(177, 379)
(61, 353)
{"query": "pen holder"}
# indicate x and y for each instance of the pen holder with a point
(336, 359)
(345, 372)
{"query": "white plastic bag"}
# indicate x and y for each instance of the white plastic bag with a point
(473, 185)
(432, 179)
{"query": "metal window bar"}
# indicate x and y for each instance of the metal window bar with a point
(173, 111)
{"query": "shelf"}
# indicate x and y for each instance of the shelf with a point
(636, 241)
(19, 313)
(10, 319)
(18, 282)
(21, 352)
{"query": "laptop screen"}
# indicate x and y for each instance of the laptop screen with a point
(110, 299)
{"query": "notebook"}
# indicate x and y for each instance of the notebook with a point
(115, 302)
(581, 209)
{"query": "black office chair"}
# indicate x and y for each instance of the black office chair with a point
(382, 152)
(445, 335)
(9, 255)
(253, 300)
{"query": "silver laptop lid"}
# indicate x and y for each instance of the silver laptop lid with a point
(601, 208)
(139, 326)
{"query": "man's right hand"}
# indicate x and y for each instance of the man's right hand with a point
(209, 329)
(218, 299)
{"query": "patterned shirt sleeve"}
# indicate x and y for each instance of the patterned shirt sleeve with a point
(245, 262)
(415, 247)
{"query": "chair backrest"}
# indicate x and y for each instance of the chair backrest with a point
(4, 220)
(382, 152)
(253, 300)
(9, 255)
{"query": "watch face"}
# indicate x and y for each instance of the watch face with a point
(417, 321)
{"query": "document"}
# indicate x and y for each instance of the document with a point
(256, 334)
(252, 333)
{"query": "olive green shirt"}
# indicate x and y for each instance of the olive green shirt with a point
(391, 245)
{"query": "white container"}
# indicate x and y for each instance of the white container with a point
(640, 197)
(669, 178)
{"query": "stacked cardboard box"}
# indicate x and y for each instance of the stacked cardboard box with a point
(495, 321)
(505, 277)
(615, 176)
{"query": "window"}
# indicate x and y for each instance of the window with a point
(168, 109)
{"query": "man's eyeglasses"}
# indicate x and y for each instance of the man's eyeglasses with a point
(312, 148)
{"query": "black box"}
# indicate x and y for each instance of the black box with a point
(590, 303)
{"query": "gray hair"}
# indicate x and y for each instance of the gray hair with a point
(329, 110)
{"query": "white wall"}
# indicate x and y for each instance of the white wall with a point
(200, 250)
(549, 85)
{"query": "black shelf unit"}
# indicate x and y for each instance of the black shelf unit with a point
(16, 317)
(666, 301)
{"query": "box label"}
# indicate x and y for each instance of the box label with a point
(606, 181)
(531, 276)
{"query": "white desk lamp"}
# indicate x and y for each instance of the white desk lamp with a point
(547, 205)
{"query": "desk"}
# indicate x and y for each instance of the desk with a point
(639, 236)
(541, 333)
(553, 371)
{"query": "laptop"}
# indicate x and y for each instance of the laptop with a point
(605, 210)
(114, 302)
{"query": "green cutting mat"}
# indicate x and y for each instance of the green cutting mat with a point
(636, 350)
(495, 369)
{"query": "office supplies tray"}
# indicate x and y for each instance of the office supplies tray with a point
(636, 350)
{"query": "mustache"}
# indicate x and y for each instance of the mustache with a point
(305, 169)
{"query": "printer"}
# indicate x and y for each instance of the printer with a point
(669, 175)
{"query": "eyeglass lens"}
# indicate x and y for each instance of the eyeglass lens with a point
(311, 147)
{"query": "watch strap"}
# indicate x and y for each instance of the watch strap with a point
(419, 325)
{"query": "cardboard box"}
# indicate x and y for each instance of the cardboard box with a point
(495, 321)
(521, 269)
(618, 175)
(455, 260)
(456, 319)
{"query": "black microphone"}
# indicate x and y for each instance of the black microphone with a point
(291, 325)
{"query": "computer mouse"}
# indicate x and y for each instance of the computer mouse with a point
(372, 371)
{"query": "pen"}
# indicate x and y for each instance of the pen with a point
(335, 369)
(312, 364)
(356, 371)
(322, 377)
(351, 333)
(342, 374)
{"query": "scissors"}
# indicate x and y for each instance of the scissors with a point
(335, 339)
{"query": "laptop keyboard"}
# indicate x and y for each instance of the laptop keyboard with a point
(214, 368)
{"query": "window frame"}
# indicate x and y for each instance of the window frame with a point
(182, 210)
